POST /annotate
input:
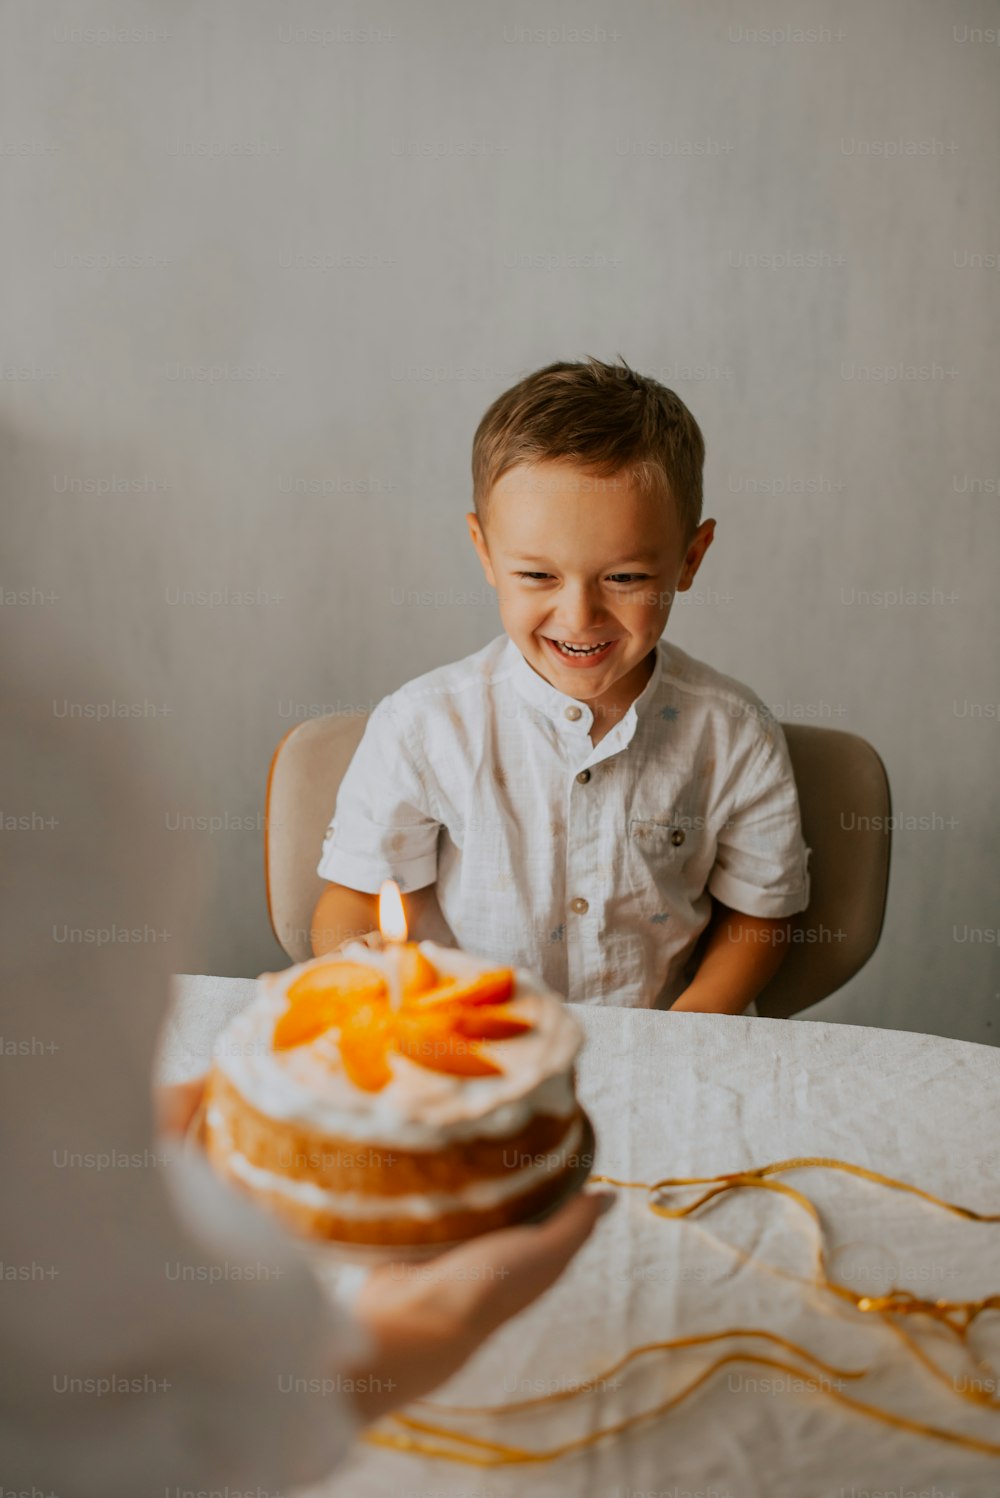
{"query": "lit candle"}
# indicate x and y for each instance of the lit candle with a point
(392, 925)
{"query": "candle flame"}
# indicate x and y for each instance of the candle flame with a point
(391, 915)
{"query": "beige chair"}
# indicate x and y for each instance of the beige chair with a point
(306, 770)
(843, 795)
(845, 806)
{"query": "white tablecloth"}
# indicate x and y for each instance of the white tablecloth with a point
(685, 1095)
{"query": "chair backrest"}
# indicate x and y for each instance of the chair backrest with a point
(844, 801)
(845, 807)
(306, 770)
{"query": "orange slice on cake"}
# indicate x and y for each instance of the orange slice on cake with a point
(494, 987)
(418, 972)
(321, 998)
(364, 1045)
(434, 1043)
(438, 1024)
(489, 1024)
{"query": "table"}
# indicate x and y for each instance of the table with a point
(697, 1095)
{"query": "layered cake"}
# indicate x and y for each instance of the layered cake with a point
(418, 1104)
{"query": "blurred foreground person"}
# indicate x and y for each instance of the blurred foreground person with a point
(150, 1319)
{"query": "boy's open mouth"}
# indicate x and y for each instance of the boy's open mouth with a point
(580, 655)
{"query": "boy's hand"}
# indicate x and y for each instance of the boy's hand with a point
(372, 939)
(344, 915)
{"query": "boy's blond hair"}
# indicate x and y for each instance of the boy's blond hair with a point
(618, 424)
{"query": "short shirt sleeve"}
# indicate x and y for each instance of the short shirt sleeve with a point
(761, 864)
(384, 824)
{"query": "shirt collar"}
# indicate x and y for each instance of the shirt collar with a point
(556, 705)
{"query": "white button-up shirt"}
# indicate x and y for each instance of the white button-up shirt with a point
(591, 865)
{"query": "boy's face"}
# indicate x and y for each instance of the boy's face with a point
(587, 561)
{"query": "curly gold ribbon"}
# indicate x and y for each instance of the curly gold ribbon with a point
(956, 1317)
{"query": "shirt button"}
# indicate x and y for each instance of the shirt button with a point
(677, 837)
(583, 777)
(573, 713)
(579, 905)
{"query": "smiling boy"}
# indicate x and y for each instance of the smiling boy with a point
(583, 799)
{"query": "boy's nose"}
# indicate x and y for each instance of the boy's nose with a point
(582, 617)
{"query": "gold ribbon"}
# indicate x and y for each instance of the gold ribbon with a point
(955, 1317)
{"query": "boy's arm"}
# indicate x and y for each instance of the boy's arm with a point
(341, 914)
(741, 956)
(344, 914)
(761, 864)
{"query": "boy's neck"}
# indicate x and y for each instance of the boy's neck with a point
(608, 715)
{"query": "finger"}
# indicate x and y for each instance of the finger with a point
(177, 1103)
(561, 1235)
(533, 1257)
(528, 1258)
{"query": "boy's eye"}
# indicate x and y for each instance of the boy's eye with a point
(627, 577)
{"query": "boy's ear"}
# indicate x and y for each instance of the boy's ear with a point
(479, 542)
(697, 547)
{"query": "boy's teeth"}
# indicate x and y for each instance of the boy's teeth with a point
(579, 649)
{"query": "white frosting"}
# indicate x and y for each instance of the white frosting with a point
(477, 1196)
(418, 1108)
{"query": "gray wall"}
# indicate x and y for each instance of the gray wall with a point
(339, 246)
